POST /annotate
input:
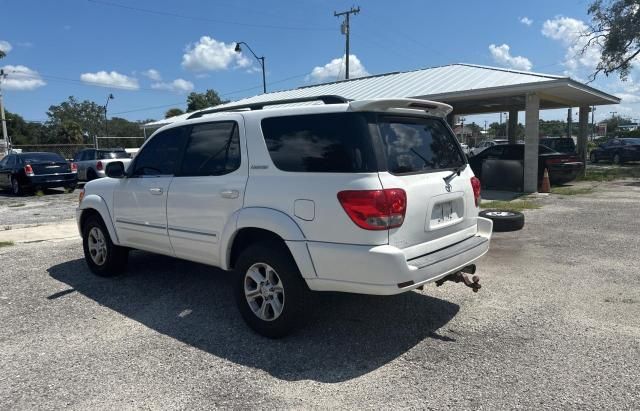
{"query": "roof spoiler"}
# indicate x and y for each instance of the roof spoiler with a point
(430, 107)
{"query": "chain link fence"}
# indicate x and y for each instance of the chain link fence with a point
(65, 150)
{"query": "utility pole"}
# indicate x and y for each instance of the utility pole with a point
(5, 137)
(345, 28)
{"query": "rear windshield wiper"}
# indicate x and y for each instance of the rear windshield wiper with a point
(456, 172)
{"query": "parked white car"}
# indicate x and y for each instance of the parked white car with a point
(371, 197)
(92, 162)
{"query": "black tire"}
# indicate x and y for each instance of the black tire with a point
(16, 188)
(504, 220)
(115, 260)
(91, 175)
(295, 297)
(593, 157)
(617, 160)
(71, 187)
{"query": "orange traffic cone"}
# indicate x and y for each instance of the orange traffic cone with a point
(546, 185)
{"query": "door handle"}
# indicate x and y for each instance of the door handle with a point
(156, 191)
(230, 193)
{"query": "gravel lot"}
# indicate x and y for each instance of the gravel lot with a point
(53, 205)
(556, 325)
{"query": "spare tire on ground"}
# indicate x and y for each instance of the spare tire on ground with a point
(504, 220)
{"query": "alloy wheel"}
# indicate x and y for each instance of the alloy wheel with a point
(97, 246)
(264, 291)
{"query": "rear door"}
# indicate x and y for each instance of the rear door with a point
(421, 155)
(140, 200)
(208, 188)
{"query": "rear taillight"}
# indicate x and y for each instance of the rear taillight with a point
(99, 166)
(557, 160)
(81, 196)
(74, 168)
(475, 184)
(375, 209)
(28, 170)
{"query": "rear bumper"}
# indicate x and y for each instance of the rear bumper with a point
(384, 270)
(52, 180)
(563, 173)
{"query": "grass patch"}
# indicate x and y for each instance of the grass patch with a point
(6, 244)
(608, 174)
(516, 205)
(17, 205)
(571, 191)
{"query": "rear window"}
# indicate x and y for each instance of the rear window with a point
(320, 143)
(418, 145)
(632, 140)
(42, 157)
(108, 155)
(560, 144)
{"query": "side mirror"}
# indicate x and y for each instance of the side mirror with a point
(115, 169)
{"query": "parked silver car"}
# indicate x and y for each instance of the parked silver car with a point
(93, 162)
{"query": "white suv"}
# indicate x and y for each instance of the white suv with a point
(371, 197)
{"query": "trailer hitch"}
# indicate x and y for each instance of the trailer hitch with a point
(462, 277)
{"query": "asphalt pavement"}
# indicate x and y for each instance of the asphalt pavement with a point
(556, 325)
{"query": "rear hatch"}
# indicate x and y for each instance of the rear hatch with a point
(423, 158)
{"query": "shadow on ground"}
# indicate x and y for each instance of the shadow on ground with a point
(348, 336)
(42, 193)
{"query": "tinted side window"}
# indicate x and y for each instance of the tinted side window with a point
(418, 145)
(329, 143)
(213, 149)
(161, 154)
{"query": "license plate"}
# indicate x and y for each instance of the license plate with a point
(443, 212)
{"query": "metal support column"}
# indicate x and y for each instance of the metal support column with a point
(531, 141)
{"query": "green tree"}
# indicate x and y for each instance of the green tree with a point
(2, 54)
(172, 112)
(616, 27)
(198, 101)
(88, 115)
(69, 132)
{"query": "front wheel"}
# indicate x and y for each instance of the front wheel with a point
(272, 296)
(102, 256)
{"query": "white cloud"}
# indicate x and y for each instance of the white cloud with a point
(110, 79)
(629, 98)
(178, 85)
(208, 54)
(502, 56)
(152, 74)
(570, 33)
(21, 78)
(526, 21)
(5, 46)
(336, 70)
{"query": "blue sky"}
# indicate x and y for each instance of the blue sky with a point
(150, 54)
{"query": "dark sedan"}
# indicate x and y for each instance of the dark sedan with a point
(32, 171)
(562, 167)
(617, 150)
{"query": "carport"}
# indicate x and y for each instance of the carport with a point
(470, 89)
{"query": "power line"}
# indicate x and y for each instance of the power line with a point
(221, 95)
(183, 16)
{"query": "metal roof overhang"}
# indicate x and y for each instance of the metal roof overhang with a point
(561, 93)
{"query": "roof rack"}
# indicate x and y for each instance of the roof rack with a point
(326, 99)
